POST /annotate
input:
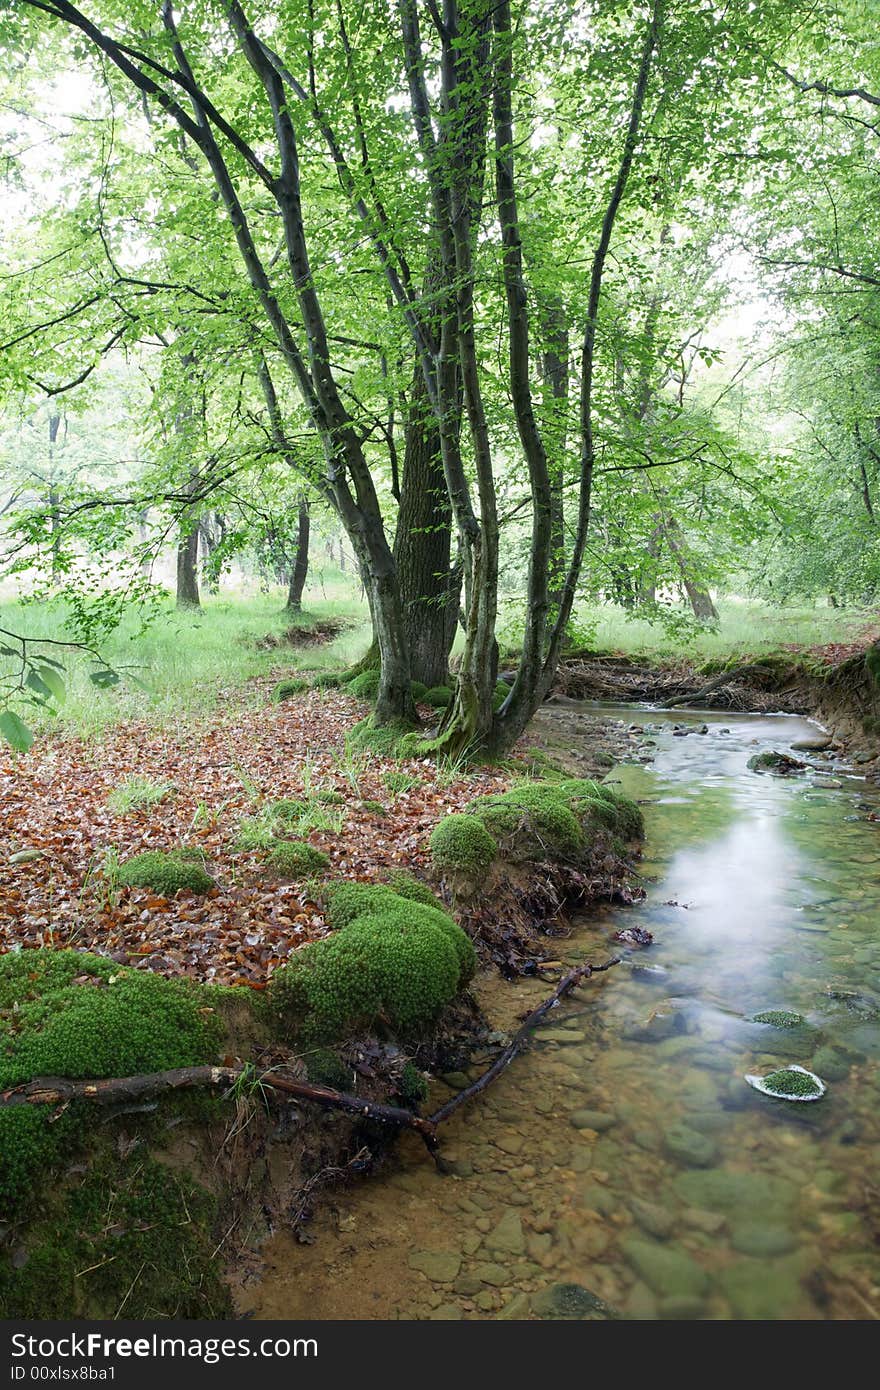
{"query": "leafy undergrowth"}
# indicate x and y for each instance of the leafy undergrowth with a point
(221, 771)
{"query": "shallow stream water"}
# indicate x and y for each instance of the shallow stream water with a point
(624, 1162)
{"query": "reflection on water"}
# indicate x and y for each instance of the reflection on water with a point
(625, 1159)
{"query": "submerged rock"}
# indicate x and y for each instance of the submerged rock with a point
(719, 1190)
(690, 1146)
(668, 1272)
(570, 1301)
(440, 1266)
(599, 1120)
(780, 764)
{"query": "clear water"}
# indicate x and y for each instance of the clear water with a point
(625, 1154)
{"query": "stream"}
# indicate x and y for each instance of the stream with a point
(623, 1162)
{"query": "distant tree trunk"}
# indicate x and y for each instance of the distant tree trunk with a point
(211, 530)
(554, 329)
(187, 569)
(54, 498)
(699, 598)
(301, 559)
(429, 586)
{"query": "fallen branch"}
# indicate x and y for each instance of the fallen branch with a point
(723, 679)
(520, 1038)
(60, 1091)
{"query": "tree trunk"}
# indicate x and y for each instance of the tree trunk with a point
(187, 569)
(301, 560)
(429, 587)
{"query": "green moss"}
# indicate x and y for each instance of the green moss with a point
(385, 740)
(346, 901)
(295, 859)
(365, 686)
(349, 902)
(872, 662)
(412, 1086)
(406, 885)
(326, 1068)
(131, 1236)
(779, 1018)
(537, 812)
(327, 680)
(419, 691)
(389, 958)
(501, 692)
(285, 690)
(166, 871)
(461, 843)
(787, 1082)
(438, 697)
(65, 1013)
(375, 808)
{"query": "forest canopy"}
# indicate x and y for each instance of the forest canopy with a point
(534, 304)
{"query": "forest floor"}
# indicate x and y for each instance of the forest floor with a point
(196, 760)
(73, 808)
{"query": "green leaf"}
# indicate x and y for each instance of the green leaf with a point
(15, 731)
(38, 686)
(104, 679)
(54, 683)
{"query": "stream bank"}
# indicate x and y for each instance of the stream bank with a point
(623, 1167)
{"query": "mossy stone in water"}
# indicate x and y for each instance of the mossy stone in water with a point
(572, 1301)
(788, 1082)
(779, 1018)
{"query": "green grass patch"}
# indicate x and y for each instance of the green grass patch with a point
(137, 793)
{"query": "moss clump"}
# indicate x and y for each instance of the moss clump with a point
(390, 959)
(556, 819)
(65, 1013)
(285, 690)
(133, 1237)
(349, 902)
(327, 680)
(535, 817)
(365, 686)
(406, 885)
(385, 740)
(166, 872)
(375, 808)
(295, 859)
(412, 1086)
(438, 697)
(788, 1082)
(779, 1018)
(326, 1068)
(462, 844)
(500, 694)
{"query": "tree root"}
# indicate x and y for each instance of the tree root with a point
(60, 1091)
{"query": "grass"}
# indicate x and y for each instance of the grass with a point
(746, 627)
(136, 792)
(184, 664)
